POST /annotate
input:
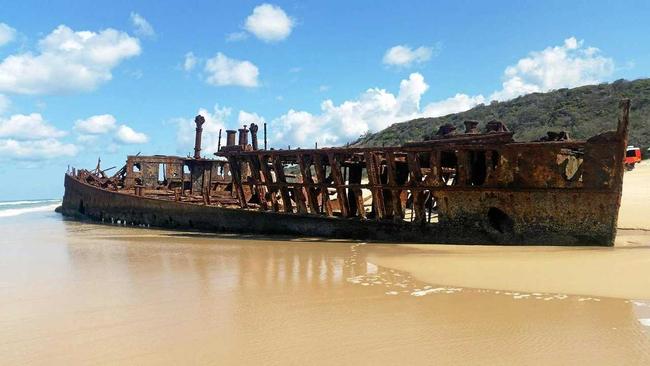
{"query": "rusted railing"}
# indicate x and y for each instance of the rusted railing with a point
(398, 178)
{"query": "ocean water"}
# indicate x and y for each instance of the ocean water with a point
(74, 293)
(15, 208)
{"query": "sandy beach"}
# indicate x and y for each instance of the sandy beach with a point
(75, 293)
(622, 271)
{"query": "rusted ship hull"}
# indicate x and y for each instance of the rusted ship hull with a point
(85, 201)
(471, 188)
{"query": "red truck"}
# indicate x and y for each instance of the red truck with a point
(632, 156)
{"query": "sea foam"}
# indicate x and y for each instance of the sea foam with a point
(15, 208)
(29, 202)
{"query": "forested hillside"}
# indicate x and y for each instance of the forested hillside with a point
(583, 112)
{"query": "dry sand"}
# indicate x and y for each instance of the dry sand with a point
(635, 204)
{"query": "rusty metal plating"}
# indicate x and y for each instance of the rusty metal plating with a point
(510, 192)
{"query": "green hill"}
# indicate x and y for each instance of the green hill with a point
(583, 112)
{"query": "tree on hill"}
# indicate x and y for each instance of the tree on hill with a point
(583, 112)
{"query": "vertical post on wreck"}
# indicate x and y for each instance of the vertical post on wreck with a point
(264, 135)
(461, 167)
(243, 136)
(231, 135)
(282, 180)
(299, 196)
(355, 195)
(236, 180)
(435, 177)
(340, 184)
(199, 120)
(268, 181)
(206, 181)
(416, 182)
(255, 166)
(299, 191)
(219, 141)
(398, 213)
(309, 183)
(372, 167)
(489, 158)
(253, 128)
(322, 182)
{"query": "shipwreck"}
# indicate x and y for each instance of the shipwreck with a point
(471, 187)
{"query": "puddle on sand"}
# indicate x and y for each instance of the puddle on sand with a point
(400, 283)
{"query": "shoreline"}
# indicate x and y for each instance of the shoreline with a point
(622, 271)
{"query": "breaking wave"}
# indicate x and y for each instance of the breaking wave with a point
(32, 202)
(15, 208)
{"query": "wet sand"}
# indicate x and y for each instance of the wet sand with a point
(80, 294)
(622, 271)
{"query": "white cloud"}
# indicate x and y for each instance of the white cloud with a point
(301, 129)
(246, 118)
(88, 139)
(127, 135)
(90, 130)
(403, 55)
(223, 70)
(44, 149)
(566, 66)
(458, 103)
(269, 23)
(190, 61)
(94, 125)
(4, 103)
(67, 61)
(28, 127)
(142, 27)
(210, 139)
(571, 43)
(7, 34)
(375, 109)
(410, 92)
(30, 137)
(236, 36)
(569, 65)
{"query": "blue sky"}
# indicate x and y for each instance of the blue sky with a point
(80, 80)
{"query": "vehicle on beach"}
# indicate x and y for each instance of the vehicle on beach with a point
(632, 156)
(475, 187)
